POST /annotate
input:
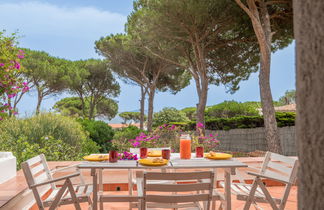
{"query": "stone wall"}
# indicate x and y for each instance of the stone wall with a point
(249, 140)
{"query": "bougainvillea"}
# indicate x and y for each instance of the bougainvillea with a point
(127, 156)
(10, 84)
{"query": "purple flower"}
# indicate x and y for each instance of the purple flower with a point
(136, 144)
(17, 65)
(200, 125)
(1, 64)
(211, 135)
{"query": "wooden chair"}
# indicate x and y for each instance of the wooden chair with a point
(195, 190)
(274, 167)
(40, 180)
(131, 175)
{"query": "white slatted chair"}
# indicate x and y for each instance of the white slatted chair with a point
(274, 167)
(131, 177)
(40, 180)
(196, 191)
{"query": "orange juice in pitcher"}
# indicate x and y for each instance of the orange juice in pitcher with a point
(185, 146)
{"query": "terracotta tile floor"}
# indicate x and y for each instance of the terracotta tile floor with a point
(236, 205)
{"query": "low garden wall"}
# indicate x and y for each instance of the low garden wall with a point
(249, 140)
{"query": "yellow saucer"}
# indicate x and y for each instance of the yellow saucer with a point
(149, 162)
(154, 154)
(218, 156)
(96, 157)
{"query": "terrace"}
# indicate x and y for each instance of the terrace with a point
(184, 152)
(14, 193)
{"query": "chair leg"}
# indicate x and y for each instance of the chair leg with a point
(267, 195)
(73, 195)
(58, 197)
(251, 195)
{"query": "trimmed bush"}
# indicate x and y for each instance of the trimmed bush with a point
(283, 119)
(167, 115)
(229, 109)
(99, 132)
(190, 112)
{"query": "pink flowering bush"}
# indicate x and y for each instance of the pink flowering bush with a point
(209, 142)
(163, 136)
(10, 83)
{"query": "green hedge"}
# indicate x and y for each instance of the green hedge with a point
(99, 132)
(283, 119)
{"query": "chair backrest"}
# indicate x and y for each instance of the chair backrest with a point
(191, 187)
(36, 170)
(280, 167)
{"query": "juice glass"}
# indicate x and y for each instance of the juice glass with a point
(166, 154)
(185, 147)
(143, 152)
(113, 156)
(199, 152)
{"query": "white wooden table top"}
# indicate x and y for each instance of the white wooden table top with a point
(175, 160)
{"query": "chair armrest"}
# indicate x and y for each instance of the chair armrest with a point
(55, 180)
(272, 177)
(64, 168)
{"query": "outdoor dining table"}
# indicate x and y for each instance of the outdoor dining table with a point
(229, 166)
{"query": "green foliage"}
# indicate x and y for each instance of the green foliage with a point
(228, 109)
(190, 112)
(167, 115)
(94, 84)
(58, 137)
(283, 119)
(131, 116)
(72, 106)
(288, 98)
(122, 136)
(99, 132)
(46, 73)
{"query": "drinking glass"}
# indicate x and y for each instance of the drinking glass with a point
(143, 152)
(113, 156)
(199, 152)
(166, 153)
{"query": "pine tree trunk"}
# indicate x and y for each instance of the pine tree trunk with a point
(202, 103)
(309, 34)
(142, 109)
(262, 28)
(150, 109)
(91, 110)
(39, 101)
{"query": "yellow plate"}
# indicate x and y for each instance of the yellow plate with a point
(149, 162)
(154, 154)
(218, 156)
(96, 157)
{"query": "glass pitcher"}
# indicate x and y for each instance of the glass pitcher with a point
(185, 146)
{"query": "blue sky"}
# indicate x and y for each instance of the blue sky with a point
(69, 28)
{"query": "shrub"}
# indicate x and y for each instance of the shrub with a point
(58, 137)
(283, 119)
(229, 109)
(162, 136)
(190, 112)
(99, 132)
(168, 115)
(122, 136)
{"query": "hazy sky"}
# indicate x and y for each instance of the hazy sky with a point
(69, 28)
